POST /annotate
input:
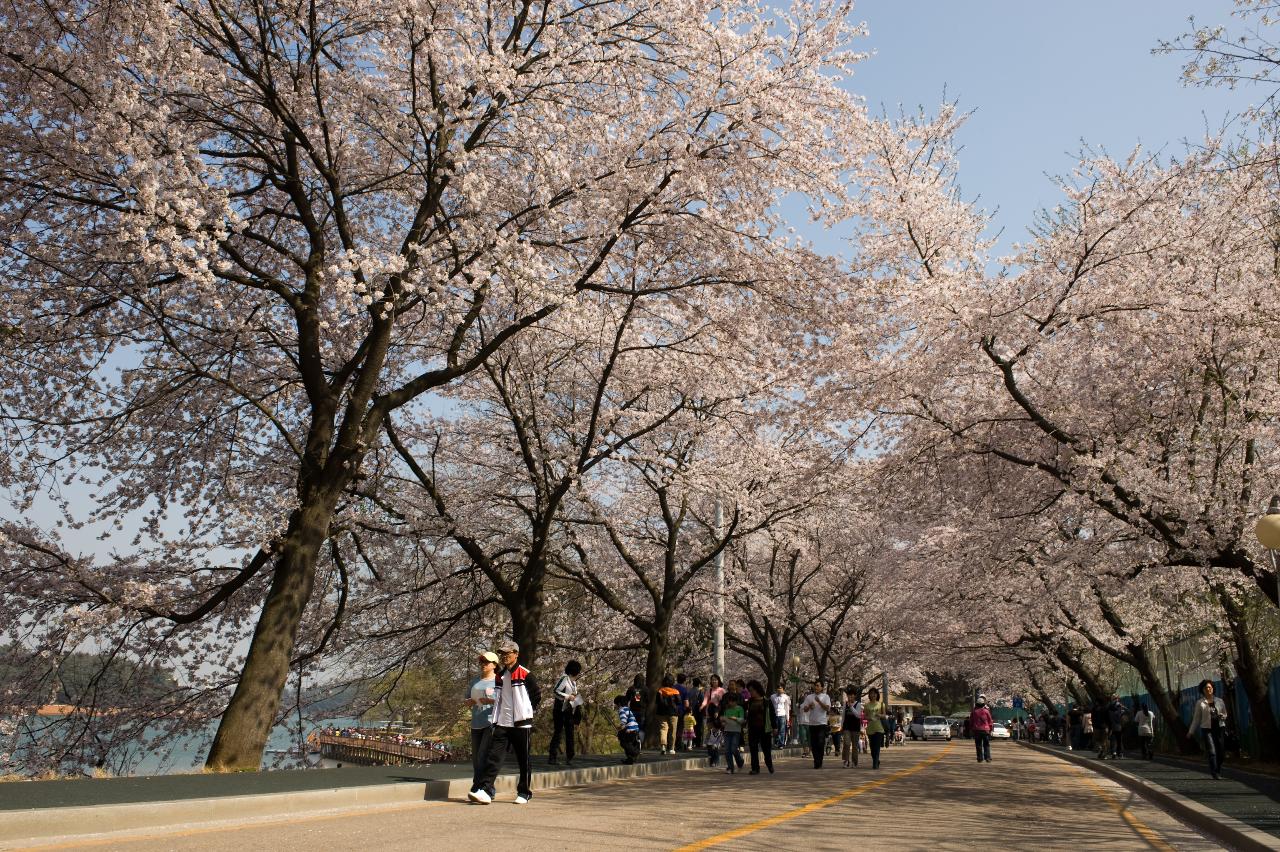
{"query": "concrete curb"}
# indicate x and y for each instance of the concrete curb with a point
(19, 828)
(1225, 829)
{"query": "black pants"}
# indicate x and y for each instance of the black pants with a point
(562, 725)
(817, 742)
(699, 728)
(517, 739)
(479, 754)
(630, 742)
(835, 742)
(877, 743)
(982, 742)
(759, 740)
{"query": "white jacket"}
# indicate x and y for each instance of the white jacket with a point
(1202, 717)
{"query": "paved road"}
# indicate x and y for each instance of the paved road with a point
(927, 795)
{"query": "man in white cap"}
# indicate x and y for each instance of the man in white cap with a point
(516, 699)
(480, 700)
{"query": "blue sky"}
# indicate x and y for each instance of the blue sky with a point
(1041, 77)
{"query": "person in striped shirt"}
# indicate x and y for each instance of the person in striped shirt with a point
(628, 730)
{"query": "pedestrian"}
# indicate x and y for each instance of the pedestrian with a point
(696, 706)
(1116, 712)
(835, 727)
(1100, 733)
(638, 700)
(733, 716)
(760, 721)
(516, 699)
(669, 708)
(874, 711)
(715, 740)
(565, 714)
(1074, 723)
(852, 724)
(781, 714)
(628, 730)
(981, 723)
(682, 688)
(713, 697)
(690, 732)
(480, 700)
(815, 706)
(1208, 721)
(1145, 720)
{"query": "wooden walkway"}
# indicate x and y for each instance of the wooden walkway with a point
(379, 751)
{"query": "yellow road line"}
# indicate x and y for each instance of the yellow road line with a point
(1154, 840)
(786, 816)
(214, 829)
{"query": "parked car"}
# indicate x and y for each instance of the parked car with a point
(999, 731)
(930, 728)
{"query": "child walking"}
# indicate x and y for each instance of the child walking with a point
(628, 730)
(733, 717)
(715, 741)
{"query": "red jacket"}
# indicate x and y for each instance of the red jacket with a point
(980, 719)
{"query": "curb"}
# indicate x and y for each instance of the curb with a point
(18, 828)
(1225, 829)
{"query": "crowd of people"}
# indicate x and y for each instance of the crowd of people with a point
(1107, 727)
(728, 720)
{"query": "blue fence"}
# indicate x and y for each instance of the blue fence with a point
(1242, 723)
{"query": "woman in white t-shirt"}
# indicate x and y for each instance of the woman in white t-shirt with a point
(1145, 720)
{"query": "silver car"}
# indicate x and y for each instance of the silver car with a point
(932, 728)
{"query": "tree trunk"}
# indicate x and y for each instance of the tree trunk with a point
(1254, 678)
(247, 722)
(1092, 684)
(526, 624)
(776, 672)
(1160, 696)
(655, 666)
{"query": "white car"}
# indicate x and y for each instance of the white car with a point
(999, 731)
(933, 727)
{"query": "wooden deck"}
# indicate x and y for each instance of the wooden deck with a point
(375, 751)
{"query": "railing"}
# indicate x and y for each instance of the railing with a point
(378, 751)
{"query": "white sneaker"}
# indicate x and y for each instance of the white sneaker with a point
(480, 797)
(521, 800)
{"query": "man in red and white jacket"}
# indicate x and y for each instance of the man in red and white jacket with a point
(516, 699)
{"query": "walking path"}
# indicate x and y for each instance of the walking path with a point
(927, 796)
(1254, 803)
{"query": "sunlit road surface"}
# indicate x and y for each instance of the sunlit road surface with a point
(925, 796)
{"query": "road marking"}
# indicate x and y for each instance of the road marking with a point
(1154, 840)
(268, 822)
(786, 816)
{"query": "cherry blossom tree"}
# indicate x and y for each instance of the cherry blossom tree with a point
(238, 237)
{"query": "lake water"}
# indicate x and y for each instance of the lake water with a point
(188, 753)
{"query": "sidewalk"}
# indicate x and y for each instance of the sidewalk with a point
(44, 810)
(1221, 807)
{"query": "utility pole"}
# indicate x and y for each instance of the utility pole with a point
(719, 649)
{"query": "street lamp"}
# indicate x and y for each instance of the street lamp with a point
(928, 696)
(1268, 530)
